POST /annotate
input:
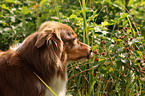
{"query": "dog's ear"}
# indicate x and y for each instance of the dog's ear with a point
(54, 42)
(42, 36)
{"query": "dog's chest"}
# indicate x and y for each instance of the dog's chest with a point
(58, 85)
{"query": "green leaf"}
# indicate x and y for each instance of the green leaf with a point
(1, 30)
(10, 1)
(13, 1)
(73, 16)
(130, 2)
(25, 10)
(110, 69)
(124, 23)
(101, 59)
(105, 23)
(94, 47)
(43, 2)
(124, 15)
(4, 7)
(140, 53)
(104, 68)
(131, 25)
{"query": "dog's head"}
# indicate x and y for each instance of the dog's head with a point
(61, 39)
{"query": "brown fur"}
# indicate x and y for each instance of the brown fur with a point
(44, 52)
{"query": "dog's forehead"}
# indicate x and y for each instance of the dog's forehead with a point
(68, 33)
(54, 25)
(65, 29)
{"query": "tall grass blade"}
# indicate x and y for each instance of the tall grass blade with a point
(85, 29)
(57, 10)
(23, 19)
(131, 25)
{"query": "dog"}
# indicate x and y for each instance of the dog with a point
(45, 53)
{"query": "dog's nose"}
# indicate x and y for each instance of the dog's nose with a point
(90, 54)
(90, 50)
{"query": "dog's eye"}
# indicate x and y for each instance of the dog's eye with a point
(71, 40)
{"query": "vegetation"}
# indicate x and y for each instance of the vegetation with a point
(113, 28)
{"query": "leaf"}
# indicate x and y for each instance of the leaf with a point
(124, 23)
(10, 1)
(105, 23)
(140, 53)
(130, 2)
(110, 69)
(25, 10)
(101, 59)
(4, 7)
(104, 68)
(131, 25)
(1, 30)
(94, 47)
(43, 2)
(94, 13)
(124, 15)
(73, 16)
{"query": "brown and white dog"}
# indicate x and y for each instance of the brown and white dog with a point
(44, 52)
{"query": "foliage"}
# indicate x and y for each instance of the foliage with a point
(113, 28)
